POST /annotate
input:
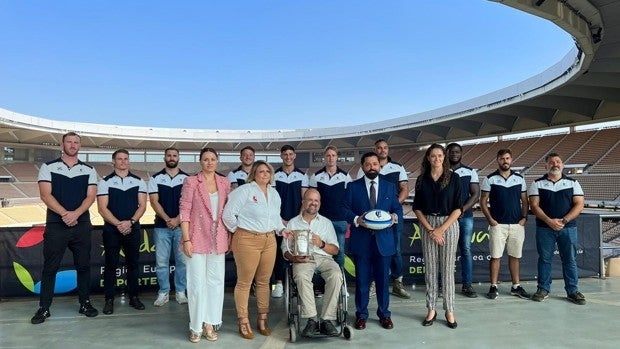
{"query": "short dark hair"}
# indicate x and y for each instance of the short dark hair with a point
(503, 152)
(380, 140)
(287, 147)
(69, 134)
(171, 149)
(454, 145)
(120, 151)
(552, 155)
(367, 155)
(247, 147)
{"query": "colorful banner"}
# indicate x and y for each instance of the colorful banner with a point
(21, 258)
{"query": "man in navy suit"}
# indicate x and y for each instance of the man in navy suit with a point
(371, 249)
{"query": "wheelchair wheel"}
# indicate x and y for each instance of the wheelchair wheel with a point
(292, 332)
(347, 332)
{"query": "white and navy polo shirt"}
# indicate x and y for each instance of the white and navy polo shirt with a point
(168, 190)
(556, 198)
(237, 176)
(504, 196)
(122, 195)
(468, 175)
(332, 190)
(392, 171)
(69, 186)
(289, 187)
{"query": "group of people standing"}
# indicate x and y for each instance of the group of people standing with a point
(202, 217)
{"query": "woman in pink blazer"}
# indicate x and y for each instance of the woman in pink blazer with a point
(205, 242)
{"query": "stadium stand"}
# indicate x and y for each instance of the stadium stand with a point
(23, 172)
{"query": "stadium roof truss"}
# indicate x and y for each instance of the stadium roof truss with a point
(584, 87)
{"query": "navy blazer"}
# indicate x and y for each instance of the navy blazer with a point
(356, 203)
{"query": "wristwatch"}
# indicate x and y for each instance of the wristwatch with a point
(322, 244)
(564, 221)
(133, 221)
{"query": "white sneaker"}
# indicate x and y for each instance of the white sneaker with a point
(181, 298)
(162, 298)
(277, 291)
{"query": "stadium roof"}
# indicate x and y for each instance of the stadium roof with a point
(583, 88)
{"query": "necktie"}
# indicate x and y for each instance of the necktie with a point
(373, 195)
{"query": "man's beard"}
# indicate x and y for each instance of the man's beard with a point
(171, 164)
(505, 167)
(555, 172)
(371, 174)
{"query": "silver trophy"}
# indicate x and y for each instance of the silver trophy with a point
(300, 243)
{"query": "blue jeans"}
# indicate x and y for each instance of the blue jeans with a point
(165, 240)
(341, 230)
(466, 228)
(566, 240)
(396, 262)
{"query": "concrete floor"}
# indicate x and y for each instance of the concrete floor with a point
(507, 322)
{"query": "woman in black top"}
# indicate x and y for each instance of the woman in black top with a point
(438, 205)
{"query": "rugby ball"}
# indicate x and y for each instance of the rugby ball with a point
(377, 219)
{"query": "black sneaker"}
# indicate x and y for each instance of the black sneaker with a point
(540, 295)
(577, 298)
(108, 307)
(87, 309)
(328, 328)
(519, 292)
(135, 303)
(312, 327)
(40, 316)
(468, 291)
(492, 292)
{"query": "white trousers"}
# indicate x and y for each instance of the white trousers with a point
(205, 289)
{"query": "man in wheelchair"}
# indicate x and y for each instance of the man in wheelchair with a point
(323, 245)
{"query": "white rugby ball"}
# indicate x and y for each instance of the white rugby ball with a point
(377, 219)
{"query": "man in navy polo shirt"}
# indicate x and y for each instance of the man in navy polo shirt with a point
(67, 186)
(238, 176)
(331, 182)
(506, 190)
(470, 190)
(556, 200)
(121, 197)
(291, 183)
(165, 191)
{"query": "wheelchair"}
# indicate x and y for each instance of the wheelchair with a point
(292, 304)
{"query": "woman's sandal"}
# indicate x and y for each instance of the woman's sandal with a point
(209, 333)
(245, 330)
(194, 337)
(262, 325)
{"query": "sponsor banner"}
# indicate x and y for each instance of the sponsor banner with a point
(21, 258)
(588, 252)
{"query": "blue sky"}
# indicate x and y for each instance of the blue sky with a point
(262, 64)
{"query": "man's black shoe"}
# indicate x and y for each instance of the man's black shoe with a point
(328, 328)
(108, 308)
(135, 303)
(40, 316)
(468, 291)
(312, 327)
(87, 309)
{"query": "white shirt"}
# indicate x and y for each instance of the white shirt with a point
(249, 209)
(320, 226)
